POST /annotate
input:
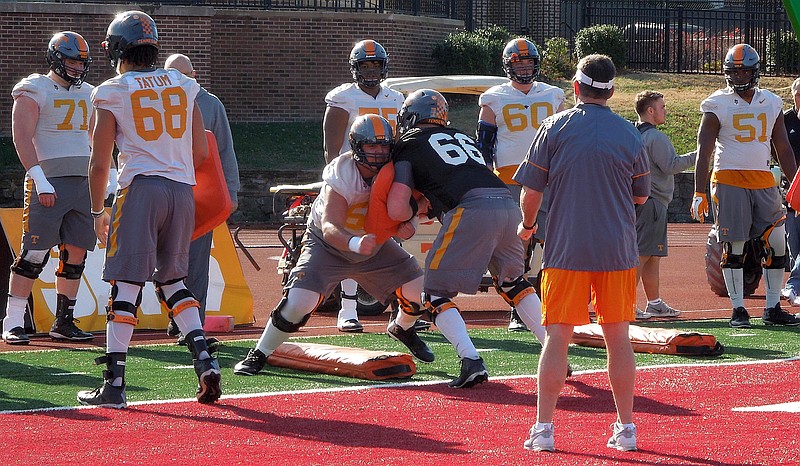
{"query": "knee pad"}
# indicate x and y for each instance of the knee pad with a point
(30, 263)
(179, 301)
(123, 306)
(730, 260)
(284, 325)
(407, 306)
(115, 291)
(514, 291)
(436, 306)
(66, 270)
(774, 243)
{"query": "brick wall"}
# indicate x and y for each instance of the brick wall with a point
(265, 65)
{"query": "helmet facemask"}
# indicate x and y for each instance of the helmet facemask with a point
(741, 57)
(516, 51)
(371, 130)
(63, 48)
(742, 87)
(369, 51)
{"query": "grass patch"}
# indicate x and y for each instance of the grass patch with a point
(298, 146)
(52, 378)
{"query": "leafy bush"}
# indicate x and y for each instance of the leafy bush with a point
(478, 52)
(557, 60)
(606, 39)
(783, 52)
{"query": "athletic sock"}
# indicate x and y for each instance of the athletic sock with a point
(405, 321)
(773, 285)
(15, 313)
(734, 282)
(118, 335)
(348, 310)
(271, 338)
(454, 329)
(529, 310)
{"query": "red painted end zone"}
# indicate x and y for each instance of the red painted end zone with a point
(684, 414)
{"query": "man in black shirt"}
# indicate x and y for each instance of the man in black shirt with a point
(479, 222)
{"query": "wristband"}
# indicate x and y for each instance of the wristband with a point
(97, 214)
(43, 186)
(529, 228)
(354, 244)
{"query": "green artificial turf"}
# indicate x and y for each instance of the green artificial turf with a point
(45, 379)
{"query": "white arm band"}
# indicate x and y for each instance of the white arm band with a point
(111, 188)
(355, 244)
(42, 185)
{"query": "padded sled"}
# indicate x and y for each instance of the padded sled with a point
(346, 362)
(654, 340)
(212, 201)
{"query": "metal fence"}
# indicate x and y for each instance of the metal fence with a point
(433, 8)
(691, 37)
(676, 36)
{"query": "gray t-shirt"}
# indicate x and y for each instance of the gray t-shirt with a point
(594, 163)
(665, 163)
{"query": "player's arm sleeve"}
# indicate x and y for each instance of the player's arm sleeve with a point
(486, 138)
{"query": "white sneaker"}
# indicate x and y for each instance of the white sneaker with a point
(789, 295)
(623, 438)
(541, 440)
(661, 309)
(642, 315)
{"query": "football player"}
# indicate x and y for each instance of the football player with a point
(739, 126)
(337, 246)
(51, 125)
(479, 217)
(509, 117)
(369, 65)
(152, 117)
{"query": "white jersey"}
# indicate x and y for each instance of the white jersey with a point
(518, 118)
(342, 176)
(745, 132)
(153, 110)
(355, 102)
(61, 137)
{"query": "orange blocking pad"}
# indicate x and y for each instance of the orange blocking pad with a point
(342, 361)
(218, 324)
(654, 340)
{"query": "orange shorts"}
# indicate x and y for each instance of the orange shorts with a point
(566, 295)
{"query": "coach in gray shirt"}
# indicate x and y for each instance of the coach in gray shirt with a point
(215, 120)
(651, 217)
